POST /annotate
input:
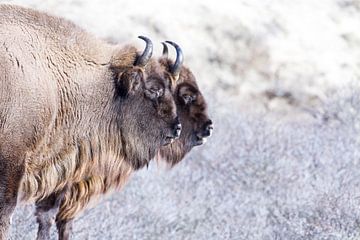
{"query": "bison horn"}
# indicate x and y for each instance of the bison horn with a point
(146, 55)
(165, 52)
(175, 69)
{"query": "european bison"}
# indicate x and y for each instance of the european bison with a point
(192, 111)
(191, 107)
(78, 115)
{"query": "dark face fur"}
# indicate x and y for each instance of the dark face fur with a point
(149, 118)
(192, 111)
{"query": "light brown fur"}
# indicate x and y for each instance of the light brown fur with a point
(66, 138)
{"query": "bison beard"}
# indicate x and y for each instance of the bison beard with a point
(79, 127)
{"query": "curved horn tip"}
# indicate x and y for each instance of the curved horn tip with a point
(147, 53)
(144, 38)
(175, 69)
(165, 52)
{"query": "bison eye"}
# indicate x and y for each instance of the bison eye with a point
(188, 99)
(158, 92)
(155, 93)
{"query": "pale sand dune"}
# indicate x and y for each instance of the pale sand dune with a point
(284, 161)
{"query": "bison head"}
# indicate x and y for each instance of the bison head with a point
(145, 103)
(191, 109)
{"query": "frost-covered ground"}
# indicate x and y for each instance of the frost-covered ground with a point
(281, 78)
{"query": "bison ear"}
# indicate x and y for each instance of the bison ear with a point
(129, 82)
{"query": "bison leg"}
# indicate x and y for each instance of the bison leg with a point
(10, 178)
(49, 210)
(66, 214)
(64, 228)
(75, 199)
(46, 211)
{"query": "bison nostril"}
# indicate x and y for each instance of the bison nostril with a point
(207, 129)
(177, 130)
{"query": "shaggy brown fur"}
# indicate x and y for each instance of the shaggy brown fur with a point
(191, 108)
(76, 116)
(192, 111)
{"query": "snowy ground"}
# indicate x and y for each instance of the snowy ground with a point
(281, 78)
